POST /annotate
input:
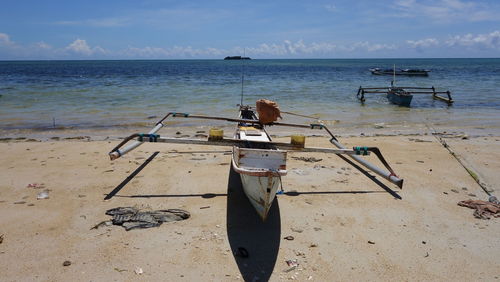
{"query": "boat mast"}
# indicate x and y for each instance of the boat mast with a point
(393, 75)
(242, 77)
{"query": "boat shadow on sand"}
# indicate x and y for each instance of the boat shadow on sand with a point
(254, 243)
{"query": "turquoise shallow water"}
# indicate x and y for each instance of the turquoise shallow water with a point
(106, 94)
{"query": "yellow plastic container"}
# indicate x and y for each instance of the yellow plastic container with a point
(215, 134)
(298, 140)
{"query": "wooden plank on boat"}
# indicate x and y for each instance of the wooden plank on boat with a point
(260, 158)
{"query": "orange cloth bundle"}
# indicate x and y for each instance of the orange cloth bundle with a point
(268, 111)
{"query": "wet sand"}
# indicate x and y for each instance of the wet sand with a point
(344, 225)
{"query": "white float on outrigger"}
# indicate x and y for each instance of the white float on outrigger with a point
(259, 161)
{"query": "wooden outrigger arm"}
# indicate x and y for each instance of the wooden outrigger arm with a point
(354, 153)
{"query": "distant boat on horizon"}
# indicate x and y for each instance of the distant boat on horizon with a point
(236, 58)
(409, 72)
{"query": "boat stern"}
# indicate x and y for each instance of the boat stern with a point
(260, 171)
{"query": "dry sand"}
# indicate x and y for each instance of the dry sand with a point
(345, 226)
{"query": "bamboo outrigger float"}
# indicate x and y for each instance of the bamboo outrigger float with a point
(260, 161)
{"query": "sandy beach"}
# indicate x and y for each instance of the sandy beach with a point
(344, 226)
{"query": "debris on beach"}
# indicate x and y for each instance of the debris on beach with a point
(307, 159)
(138, 271)
(66, 263)
(289, 238)
(132, 218)
(292, 263)
(36, 185)
(1, 238)
(43, 195)
(298, 230)
(482, 209)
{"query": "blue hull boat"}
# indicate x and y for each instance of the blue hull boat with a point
(399, 96)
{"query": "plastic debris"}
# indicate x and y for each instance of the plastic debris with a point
(138, 271)
(494, 200)
(293, 263)
(43, 195)
(66, 263)
(289, 238)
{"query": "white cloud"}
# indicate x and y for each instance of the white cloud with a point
(331, 8)
(446, 10)
(80, 47)
(422, 44)
(105, 22)
(460, 45)
(5, 40)
(489, 40)
(43, 46)
(367, 46)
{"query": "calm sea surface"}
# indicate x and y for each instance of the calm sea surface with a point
(105, 94)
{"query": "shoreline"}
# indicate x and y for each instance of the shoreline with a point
(375, 129)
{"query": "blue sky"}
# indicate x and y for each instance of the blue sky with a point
(150, 29)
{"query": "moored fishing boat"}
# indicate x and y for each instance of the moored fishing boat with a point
(399, 96)
(260, 161)
(260, 165)
(403, 95)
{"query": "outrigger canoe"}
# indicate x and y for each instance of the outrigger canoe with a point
(403, 95)
(260, 162)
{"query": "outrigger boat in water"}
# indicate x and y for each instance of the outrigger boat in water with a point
(403, 95)
(400, 95)
(260, 162)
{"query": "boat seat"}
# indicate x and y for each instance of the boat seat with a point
(253, 133)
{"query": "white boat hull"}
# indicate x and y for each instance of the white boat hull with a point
(260, 191)
(260, 170)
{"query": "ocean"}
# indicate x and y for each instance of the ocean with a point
(41, 95)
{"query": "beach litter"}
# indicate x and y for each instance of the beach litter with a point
(36, 185)
(66, 263)
(43, 195)
(138, 271)
(132, 218)
(482, 209)
(307, 159)
(292, 263)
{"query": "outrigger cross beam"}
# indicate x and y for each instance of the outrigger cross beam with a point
(260, 161)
